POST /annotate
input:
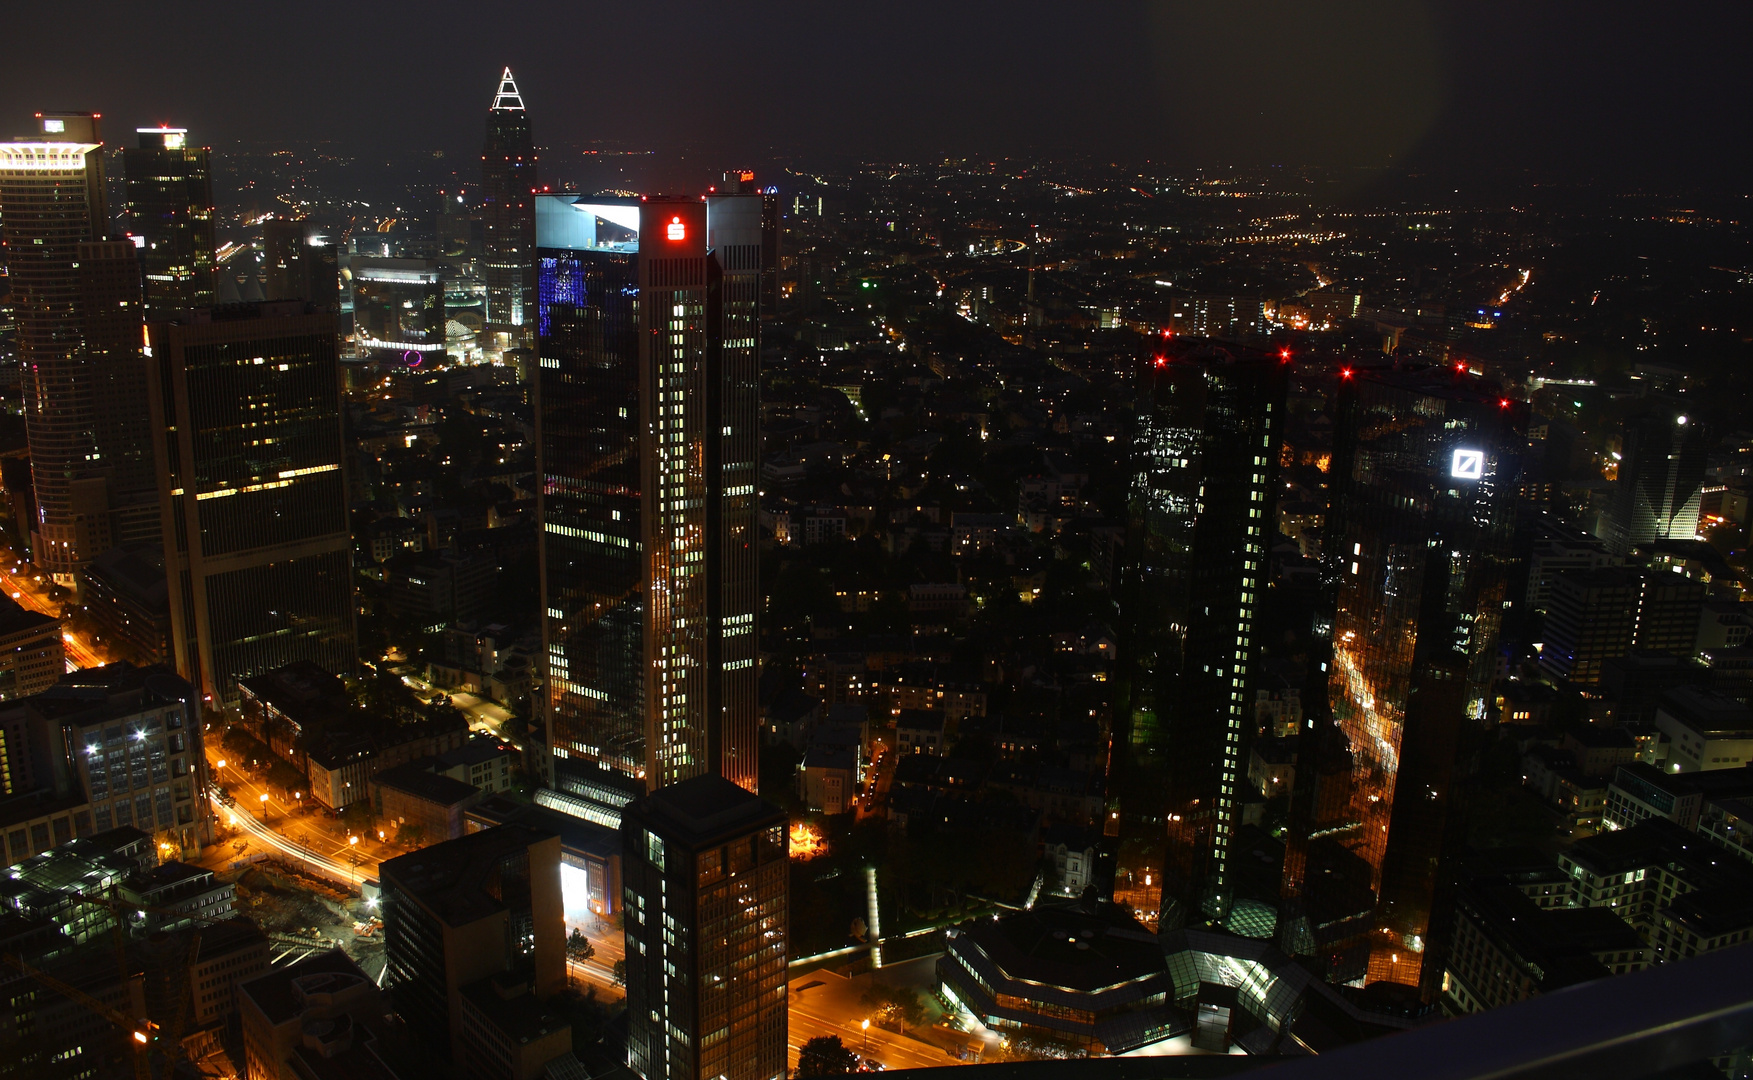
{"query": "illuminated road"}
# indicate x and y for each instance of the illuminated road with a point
(825, 1003)
(308, 839)
(30, 594)
(894, 1051)
(597, 974)
(263, 835)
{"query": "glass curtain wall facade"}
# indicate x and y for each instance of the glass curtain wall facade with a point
(170, 204)
(1209, 423)
(508, 183)
(246, 402)
(587, 410)
(1419, 557)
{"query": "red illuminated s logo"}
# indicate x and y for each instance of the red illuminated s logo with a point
(677, 230)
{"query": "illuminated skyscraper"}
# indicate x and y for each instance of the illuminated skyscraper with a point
(257, 551)
(170, 201)
(647, 406)
(1419, 553)
(1210, 419)
(51, 201)
(508, 179)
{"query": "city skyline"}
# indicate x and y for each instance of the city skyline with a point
(1118, 86)
(710, 609)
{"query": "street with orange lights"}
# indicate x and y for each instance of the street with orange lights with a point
(31, 592)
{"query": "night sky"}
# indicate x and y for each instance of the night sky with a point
(1626, 92)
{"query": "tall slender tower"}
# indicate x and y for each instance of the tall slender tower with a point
(257, 550)
(51, 201)
(508, 181)
(1210, 420)
(1419, 553)
(170, 201)
(647, 407)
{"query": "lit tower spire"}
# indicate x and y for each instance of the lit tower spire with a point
(508, 99)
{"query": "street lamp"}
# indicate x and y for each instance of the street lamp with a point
(264, 808)
(352, 859)
(865, 1025)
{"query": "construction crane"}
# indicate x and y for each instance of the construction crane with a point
(142, 1030)
(172, 1041)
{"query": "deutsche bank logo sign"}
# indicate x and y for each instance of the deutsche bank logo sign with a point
(1468, 465)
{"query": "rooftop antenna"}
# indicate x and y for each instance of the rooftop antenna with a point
(508, 99)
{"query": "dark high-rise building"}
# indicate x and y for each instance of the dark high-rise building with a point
(299, 265)
(1209, 423)
(1599, 615)
(1661, 481)
(475, 943)
(1591, 617)
(742, 182)
(170, 202)
(647, 404)
(1419, 553)
(121, 435)
(704, 870)
(256, 542)
(52, 200)
(508, 183)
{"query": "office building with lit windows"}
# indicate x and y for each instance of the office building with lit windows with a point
(1426, 463)
(1209, 422)
(508, 183)
(127, 740)
(398, 307)
(77, 304)
(258, 555)
(170, 209)
(647, 403)
(705, 875)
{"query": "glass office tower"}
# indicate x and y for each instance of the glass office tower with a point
(647, 406)
(1419, 555)
(1209, 423)
(508, 180)
(246, 401)
(170, 202)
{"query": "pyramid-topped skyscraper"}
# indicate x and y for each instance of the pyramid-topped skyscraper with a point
(508, 178)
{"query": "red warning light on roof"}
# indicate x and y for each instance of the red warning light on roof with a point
(1345, 373)
(1503, 403)
(1162, 361)
(677, 231)
(1284, 354)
